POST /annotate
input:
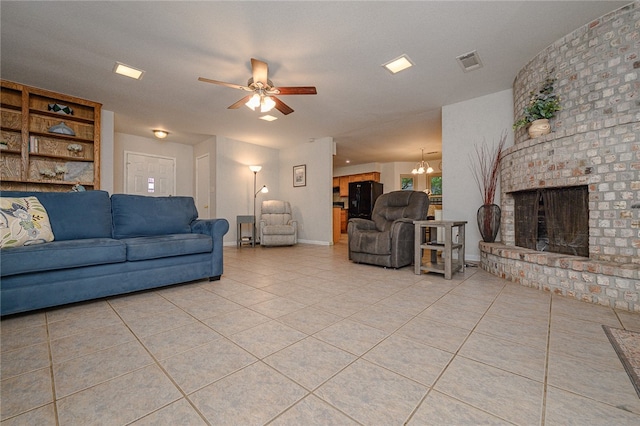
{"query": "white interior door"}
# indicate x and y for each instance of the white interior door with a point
(147, 174)
(203, 184)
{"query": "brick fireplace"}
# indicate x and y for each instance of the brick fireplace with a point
(595, 143)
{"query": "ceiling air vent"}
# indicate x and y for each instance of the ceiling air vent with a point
(469, 61)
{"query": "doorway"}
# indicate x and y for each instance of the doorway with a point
(203, 183)
(146, 174)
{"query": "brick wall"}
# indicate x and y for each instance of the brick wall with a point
(595, 141)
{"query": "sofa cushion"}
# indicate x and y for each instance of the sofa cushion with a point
(278, 230)
(141, 216)
(74, 215)
(144, 248)
(371, 242)
(23, 222)
(62, 255)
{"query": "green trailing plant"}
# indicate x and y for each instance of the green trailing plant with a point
(542, 104)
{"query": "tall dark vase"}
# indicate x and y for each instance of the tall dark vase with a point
(489, 222)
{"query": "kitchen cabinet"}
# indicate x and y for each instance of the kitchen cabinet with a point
(344, 186)
(50, 141)
(336, 224)
(344, 181)
(343, 221)
(374, 176)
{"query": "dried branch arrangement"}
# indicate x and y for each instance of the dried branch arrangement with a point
(486, 167)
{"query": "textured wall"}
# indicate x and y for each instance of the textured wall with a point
(595, 139)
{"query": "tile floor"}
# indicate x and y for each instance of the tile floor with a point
(301, 336)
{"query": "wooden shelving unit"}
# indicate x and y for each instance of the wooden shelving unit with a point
(37, 159)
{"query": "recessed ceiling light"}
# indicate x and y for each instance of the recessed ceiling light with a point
(268, 118)
(401, 63)
(128, 71)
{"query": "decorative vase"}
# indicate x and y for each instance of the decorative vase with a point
(539, 128)
(489, 221)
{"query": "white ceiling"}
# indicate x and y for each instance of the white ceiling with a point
(339, 47)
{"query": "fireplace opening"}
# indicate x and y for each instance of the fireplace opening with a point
(553, 219)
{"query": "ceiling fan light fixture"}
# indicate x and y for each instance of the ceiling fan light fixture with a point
(398, 64)
(267, 104)
(268, 118)
(254, 102)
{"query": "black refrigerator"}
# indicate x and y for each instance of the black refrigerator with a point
(362, 197)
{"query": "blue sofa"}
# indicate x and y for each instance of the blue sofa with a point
(104, 246)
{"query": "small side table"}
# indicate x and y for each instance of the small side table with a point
(240, 220)
(447, 247)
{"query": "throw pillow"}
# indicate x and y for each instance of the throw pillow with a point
(23, 221)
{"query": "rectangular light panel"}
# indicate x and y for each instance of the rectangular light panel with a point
(128, 71)
(399, 64)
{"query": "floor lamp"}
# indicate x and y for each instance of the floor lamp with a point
(264, 190)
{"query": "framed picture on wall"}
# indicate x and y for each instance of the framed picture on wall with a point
(300, 175)
(406, 182)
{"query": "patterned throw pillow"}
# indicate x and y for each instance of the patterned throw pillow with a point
(23, 221)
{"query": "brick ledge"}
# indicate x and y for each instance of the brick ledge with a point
(575, 263)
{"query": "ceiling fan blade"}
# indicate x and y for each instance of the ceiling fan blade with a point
(260, 71)
(305, 90)
(240, 102)
(282, 107)
(222, 83)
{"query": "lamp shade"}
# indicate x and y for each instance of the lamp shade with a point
(255, 169)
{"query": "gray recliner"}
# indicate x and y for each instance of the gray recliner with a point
(388, 238)
(277, 227)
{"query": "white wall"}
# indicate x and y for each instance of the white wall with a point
(234, 189)
(311, 204)
(106, 150)
(181, 152)
(463, 125)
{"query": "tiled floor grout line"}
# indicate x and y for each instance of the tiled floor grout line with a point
(455, 355)
(157, 363)
(545, 383)
(359, 291)
(51, 372)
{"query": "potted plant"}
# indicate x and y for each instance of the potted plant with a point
(542, 106)
(486, 171)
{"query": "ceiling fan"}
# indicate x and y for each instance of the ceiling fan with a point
(263, 91)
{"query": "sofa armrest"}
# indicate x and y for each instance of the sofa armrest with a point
(216, 229)
(363, 224)
(403, 223)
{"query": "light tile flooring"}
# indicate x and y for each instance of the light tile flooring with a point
(301, 336)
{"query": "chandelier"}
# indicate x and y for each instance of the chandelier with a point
(422, 167)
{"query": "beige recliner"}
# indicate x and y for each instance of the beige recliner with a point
(277, 227)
